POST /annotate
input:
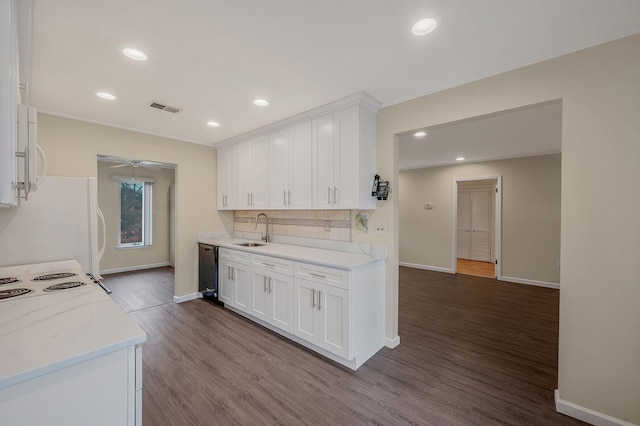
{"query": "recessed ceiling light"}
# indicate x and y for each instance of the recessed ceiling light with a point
(134, 54)
(424, 26)
(460, 159)
(105, 95)
(261, 102)
(420, 134)
(213, 124)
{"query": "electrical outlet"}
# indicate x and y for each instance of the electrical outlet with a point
(327, 227)
(380, 229)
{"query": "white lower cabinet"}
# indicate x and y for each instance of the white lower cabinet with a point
(234, 279)
(272, 298)
(322, 316)
(337, 313)
(103, 391)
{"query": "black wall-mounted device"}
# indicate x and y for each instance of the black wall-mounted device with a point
(380, 188)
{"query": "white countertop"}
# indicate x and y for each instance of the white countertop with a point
(319, 256)
(46, 333)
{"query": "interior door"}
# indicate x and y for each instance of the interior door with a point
(481, 224)
(464, 225)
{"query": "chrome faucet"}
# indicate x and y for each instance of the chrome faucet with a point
(265, 237)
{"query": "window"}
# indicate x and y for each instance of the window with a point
(135, 213)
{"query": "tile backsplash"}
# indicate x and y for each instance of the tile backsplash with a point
(320, 224)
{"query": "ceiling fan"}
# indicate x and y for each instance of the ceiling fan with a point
(137, 163)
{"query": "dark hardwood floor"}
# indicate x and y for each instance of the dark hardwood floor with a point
(473, 351)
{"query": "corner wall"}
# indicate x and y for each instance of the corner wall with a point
(599, 87)
(72, 148)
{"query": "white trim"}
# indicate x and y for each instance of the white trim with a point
(426, 267)
(497, 223)
(392, 342)
(529, 282)
(134, 268)
(187, 297)
(586, 414)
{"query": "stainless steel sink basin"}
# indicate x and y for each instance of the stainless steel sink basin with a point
(250, 244)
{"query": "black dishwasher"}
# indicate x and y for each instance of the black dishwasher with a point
(208, 272)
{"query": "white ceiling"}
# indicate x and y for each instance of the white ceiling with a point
(213, 57)
(535, 130)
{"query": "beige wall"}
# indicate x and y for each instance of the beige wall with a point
(108, 201)
(599, 349)
(530, 215)
(72, 147)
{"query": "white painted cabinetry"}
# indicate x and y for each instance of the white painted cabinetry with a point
(104, 391)
(290, 168)
(252, 167)
(234, 277)
(272, 291)
(337, 313)
(343, 159)
(321, 159)
(227, 180)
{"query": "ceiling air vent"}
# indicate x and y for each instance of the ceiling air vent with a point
(171, 109)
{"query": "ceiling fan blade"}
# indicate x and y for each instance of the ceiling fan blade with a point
(120, 165)
(155, 169)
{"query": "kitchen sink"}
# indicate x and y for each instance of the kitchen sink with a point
(250, 244)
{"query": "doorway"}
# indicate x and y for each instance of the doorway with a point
(477, 204)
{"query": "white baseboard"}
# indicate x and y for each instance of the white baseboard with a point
(391, 342)
(134, 268)
(529, 282)
(586, 414)
(187, 297)
(426, 267)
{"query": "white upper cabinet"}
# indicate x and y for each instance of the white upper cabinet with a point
(321, 159)
(344, 157)
(227, 192)
(253, 174)
(290, 168)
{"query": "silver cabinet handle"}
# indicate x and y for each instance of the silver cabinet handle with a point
(268, 264)
(284, 197)
(264, 284)
(289, 197)
(233, 274)
(252, 198)
(317, 275)
(313, 299)
(329, 195)
(319, 300)
(270, 289)
(335, 195)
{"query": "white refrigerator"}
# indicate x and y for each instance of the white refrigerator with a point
(59, 222)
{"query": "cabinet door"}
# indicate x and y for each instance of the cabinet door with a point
(323, 161)
(259, 294)
(227, 293)
(333, 310)
(280, 290)
(300, 187)
(279, 169)
(242, 278)
(226, 177)
(260, 173)
(346, 159)
(306, 320)
(244, 170)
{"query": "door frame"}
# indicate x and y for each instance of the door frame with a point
(497, 226)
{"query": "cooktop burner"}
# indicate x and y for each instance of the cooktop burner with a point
(64, 286)
(14, 292)
(9, 280)
(55, 276)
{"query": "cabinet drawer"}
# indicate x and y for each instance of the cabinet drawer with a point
(322, 274)
(241, 257)
(278, 265)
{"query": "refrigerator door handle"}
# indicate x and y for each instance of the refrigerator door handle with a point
(104, 233)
